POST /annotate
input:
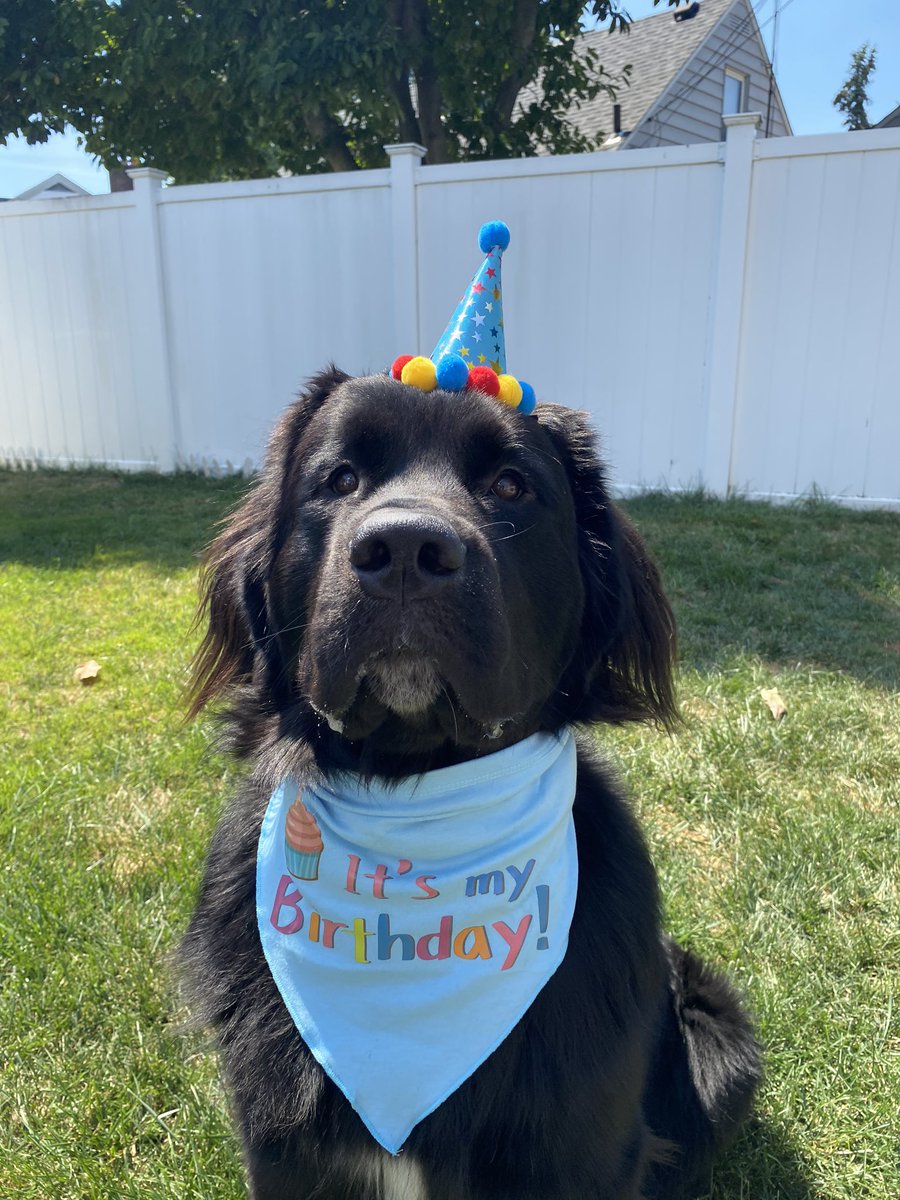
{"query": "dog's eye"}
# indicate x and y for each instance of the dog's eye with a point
(507, 487)
(344, 481)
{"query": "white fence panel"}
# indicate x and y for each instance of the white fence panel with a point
(265, 284)
(820, 376)
(607, 288)
(729, 315)
(70, 334)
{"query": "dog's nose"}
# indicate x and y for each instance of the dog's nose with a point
(401, 554)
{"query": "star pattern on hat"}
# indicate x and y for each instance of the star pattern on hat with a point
(478, 317)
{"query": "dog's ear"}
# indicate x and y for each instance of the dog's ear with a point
(623, 667)
(234, 606)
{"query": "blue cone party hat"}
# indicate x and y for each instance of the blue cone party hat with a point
(471, 352)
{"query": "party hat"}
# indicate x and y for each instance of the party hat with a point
(471, 352)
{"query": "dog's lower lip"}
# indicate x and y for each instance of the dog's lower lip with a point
(402, 657)
(332, 720)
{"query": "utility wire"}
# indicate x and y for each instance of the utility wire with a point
(771, 94)
(734, 39)
(737, 36)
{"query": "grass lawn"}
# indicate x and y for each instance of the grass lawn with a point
(778, 843)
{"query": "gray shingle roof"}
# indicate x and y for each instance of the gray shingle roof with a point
(657, 48)
(890, 121)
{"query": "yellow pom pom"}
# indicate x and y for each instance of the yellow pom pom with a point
(510, 391)
(420, 373)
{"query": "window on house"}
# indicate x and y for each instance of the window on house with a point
(735, 93)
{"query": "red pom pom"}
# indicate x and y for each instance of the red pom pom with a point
(485, 380)
(399, 363)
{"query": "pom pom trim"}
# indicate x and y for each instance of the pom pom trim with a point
(452, 374)
(399, 363)
(484, 379)
(491, 234)
(420, 372)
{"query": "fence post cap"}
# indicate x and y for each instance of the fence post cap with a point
(406, 149)
(152, 173)
(734, 120)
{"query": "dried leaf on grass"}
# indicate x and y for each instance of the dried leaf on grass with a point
(88, 672)
(774, 702)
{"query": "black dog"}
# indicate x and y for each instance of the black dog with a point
(418, 579)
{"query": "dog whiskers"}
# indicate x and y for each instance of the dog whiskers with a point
(298, 628)
(515, 532)
(509, 536)
(452, 710)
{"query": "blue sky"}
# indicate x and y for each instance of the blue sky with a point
(815, 41)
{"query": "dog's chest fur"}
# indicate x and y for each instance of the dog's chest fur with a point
(402, 1178)
(387, 1177)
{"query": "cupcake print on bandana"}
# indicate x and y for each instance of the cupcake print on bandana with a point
(303, 844)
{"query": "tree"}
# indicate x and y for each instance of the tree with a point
(43, 48)
(217, 89)
(853, 96)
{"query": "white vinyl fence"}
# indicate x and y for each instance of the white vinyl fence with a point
(729, 314)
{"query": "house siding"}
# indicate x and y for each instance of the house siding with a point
(690, 110)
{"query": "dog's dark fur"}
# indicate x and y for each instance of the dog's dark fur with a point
(345, 637)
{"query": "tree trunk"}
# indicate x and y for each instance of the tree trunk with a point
(409, 125)
(521, 41)
(414, 26)
(331, 137)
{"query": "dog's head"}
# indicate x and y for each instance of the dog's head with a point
(431, 576)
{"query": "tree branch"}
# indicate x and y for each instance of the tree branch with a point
(330, 135)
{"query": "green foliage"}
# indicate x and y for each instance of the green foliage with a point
(43, 47)
(853, 96)
(225, 89)
(777, 842)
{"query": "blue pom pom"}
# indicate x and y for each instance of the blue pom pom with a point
(494, 233)
(528, 403)
(452, 373)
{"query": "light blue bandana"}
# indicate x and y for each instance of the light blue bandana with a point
(409, 928)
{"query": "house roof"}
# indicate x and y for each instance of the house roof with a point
(54, 185)
(657, 48)
(890, 121)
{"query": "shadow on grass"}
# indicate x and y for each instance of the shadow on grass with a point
(62, 520)
(762, 1165)
(809, 583)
